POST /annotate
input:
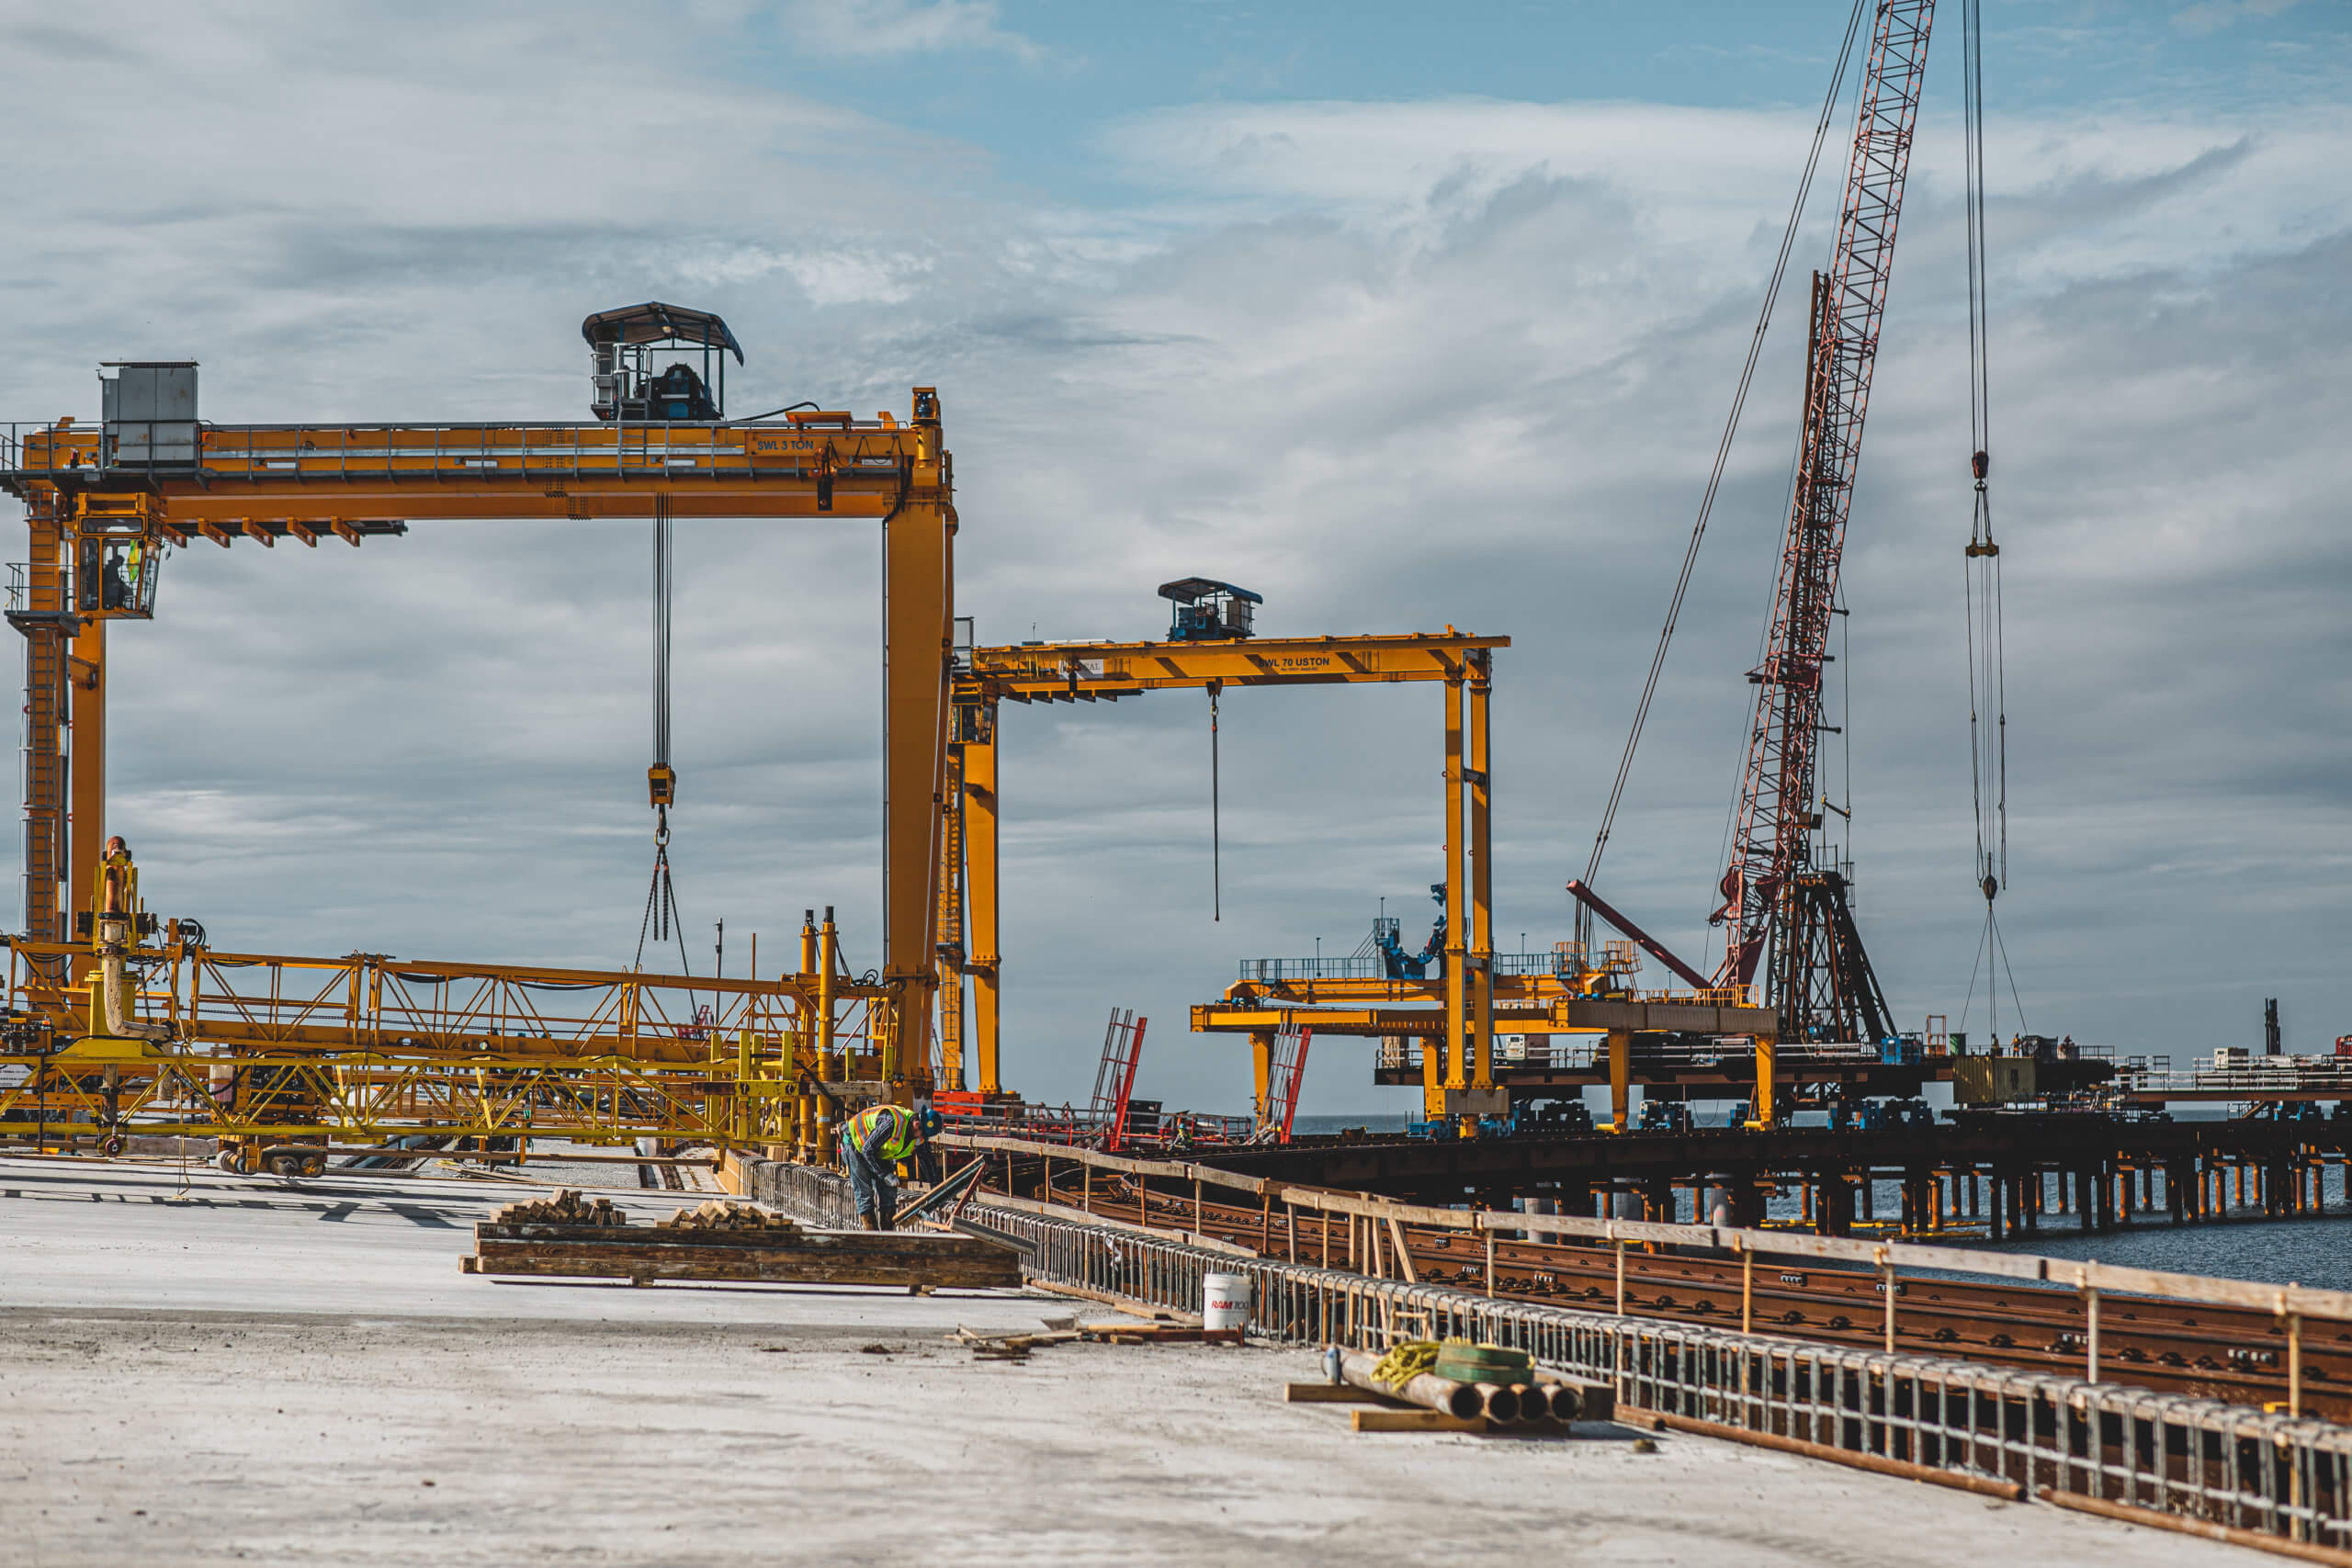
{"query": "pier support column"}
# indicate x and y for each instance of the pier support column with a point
(1833, 1203)
(1620, 1078)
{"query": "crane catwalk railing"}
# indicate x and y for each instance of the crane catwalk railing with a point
(295, 452)
(210, 1001)
(371, 1096)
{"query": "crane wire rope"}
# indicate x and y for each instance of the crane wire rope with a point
(1722, 457)
(1988, 759)
(660, 921)
(1216, 854)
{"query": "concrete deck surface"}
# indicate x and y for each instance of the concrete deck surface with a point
(195, 1384)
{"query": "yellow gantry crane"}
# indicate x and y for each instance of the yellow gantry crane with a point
(1215, 652)
(103, 504)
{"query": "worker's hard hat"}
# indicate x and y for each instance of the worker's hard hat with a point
(928, 1123)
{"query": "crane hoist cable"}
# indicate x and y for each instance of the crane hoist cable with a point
(1722, 457)
(660, 921)
(1988, 719)
(1216, 856)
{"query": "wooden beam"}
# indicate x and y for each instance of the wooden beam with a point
(1413, 1421)
(784, 1255)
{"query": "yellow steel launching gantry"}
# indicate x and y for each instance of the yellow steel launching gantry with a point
(280, 1057)
(377, 1044)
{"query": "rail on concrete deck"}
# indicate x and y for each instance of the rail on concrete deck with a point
(2291, 1304)
(2277, 1474)
(2282, 1476)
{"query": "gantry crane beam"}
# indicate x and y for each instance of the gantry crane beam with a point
(264, 483)
(1105, 671)
(1541, 1004)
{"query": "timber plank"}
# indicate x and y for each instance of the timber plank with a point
(777, 1256)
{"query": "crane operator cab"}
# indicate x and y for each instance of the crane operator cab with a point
(1209, 612)
(626, 344)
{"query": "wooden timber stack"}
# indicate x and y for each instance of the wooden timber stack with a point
(735, 1242)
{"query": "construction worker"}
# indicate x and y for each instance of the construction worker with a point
(873, 1142)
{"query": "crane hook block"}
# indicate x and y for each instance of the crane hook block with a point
(661, 786)
(1981, 464)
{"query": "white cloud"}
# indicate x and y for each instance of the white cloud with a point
(2213, 16)
(884, 28)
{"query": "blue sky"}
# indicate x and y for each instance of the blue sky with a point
(1401, 316)
(1032, 83)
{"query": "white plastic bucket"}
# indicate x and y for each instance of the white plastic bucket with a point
(1225, 1300)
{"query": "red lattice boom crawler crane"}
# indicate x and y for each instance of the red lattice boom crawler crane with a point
(1790, 916)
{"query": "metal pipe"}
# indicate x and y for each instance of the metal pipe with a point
(1498, 1402)
(1457, 1399)
(1564, 1400)
(1534, 1401)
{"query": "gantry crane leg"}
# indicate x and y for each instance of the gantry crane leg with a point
(1481, 966)
(1620, 1078)
(1261, 1075)
(919, 606)
(1457, 899)
(47, 627)
(954, 934)
(980, 882)
(1766, 1107)
(86, 834)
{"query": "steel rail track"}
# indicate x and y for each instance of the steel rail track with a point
(2210, 1352)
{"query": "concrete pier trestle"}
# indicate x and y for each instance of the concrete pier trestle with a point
(2280, 1475)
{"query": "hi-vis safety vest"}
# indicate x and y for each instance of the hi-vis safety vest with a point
(897, 1119)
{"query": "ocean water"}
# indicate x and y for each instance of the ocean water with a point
(2314, 1251)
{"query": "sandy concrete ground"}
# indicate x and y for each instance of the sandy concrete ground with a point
(82, 1234)
(454, 1421)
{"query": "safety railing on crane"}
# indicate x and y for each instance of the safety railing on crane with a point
(377, 1047)
(581, 450)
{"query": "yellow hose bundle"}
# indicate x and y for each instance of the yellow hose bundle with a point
(1405, 1363)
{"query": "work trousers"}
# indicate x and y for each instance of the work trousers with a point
(877, 1189)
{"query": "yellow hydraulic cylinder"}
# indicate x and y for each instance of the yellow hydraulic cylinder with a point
(827, 963)
(827, 1068)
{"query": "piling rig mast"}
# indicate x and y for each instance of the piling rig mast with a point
(1789, 917)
